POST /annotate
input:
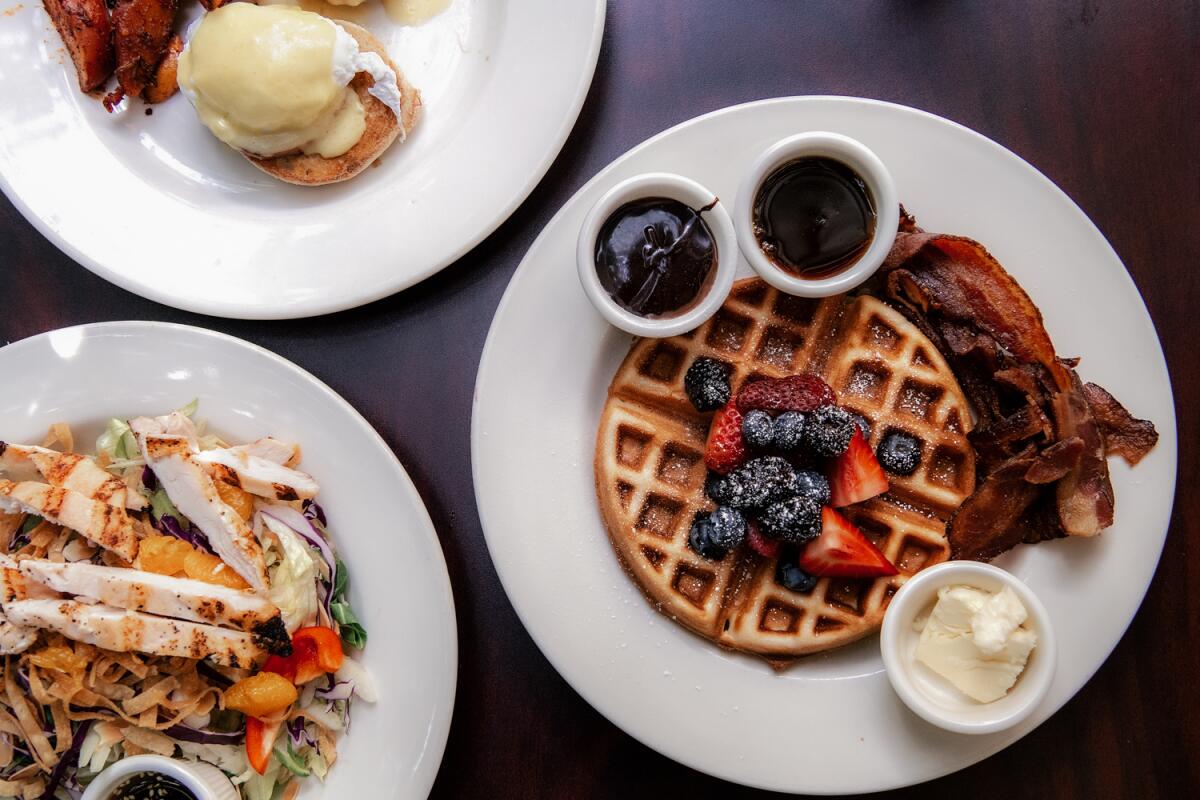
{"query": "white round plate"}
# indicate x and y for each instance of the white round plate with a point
(832, 723)
(86, 374)
(159, 206)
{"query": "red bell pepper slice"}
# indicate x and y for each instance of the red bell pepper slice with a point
(260, 741)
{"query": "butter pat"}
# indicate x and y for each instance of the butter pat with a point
(977, 640)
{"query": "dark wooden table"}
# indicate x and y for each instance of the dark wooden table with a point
(1103, 97)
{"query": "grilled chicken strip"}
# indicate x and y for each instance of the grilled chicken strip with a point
(193, 493)
(285, 453)
(143, 30)
(69, 471)
(13, 586)
(88, 35)
(108, 526)
(258, 475)
(132, 631)
(182, 598)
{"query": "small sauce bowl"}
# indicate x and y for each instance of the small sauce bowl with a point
(932, 697)
(712, 212)
(878, 182)
(205, 781)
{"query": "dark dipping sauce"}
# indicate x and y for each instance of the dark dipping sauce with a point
(152, 786)
(813, 217)
(656, 256)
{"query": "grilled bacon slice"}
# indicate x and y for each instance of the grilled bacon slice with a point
(88, 35)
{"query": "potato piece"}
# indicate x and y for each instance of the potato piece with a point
(88, 35)
(201, 566)
(166, 81)
(142, 32)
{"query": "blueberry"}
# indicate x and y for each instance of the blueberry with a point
(899, 453)
(703, 538)
(863, 424)
(828, 431)
(722, 490)
(763, 480)
(707, 384)
(729, 527)
(758, 429)
(796, 519)
(791, 577)
(813, 484)
(789, 430)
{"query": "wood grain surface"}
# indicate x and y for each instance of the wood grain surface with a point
(1103, 97)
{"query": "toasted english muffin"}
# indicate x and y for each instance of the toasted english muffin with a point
(311, 169)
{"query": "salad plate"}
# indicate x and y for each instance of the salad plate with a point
(160, 207)
(89, 374)
(831, 723)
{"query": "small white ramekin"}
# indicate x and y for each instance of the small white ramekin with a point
(931, 696)
(204, 780)
(673, 187)
(853, 154)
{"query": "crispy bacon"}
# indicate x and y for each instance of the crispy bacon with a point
(1124, 435)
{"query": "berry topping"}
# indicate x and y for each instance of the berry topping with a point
(842, 550)
(758, 429)
(767, 548)
(723, 490)
(725, 448)
(729, 526)
(796, 519)
(707, 384)
(855, 475)
(704, 540)
(827, 432)
(765, 480)
(789, 575)
(789, 430)
(813, 484)
(899, 453)
(863, 424)
(793, 393)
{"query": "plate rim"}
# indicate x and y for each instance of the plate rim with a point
(478, 435)
(315, 308)
(439, 736)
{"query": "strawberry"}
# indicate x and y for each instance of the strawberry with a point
(725, 449)
(767, 548)
(793, 393)
(855, 475)
(842, 551)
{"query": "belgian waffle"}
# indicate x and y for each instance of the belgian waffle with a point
(650, 468)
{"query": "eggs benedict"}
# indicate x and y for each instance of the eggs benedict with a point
(306, 99)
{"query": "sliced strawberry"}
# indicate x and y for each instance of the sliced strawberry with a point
(855, 475)
(842, 551)
(793, 393)
(767, 548)
(725, 449)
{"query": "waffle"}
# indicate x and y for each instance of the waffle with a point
(650, 468)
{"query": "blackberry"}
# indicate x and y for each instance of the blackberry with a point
(789, 430)
(796, 519)
(828, 431)
(729, 527)
(707, 384)
(703, 538)
(899, 453)
(810, 483)
(789, 575)
(758, 429)
(764, 480)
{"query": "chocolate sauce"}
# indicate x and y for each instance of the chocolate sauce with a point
(655, 256)
(814, 217)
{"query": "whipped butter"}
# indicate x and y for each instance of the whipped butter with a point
(977, 640)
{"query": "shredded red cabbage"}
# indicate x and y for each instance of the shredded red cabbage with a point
(313, 510)
(149, 480)
(186, 734)
(66, 760)
(299, 735)
(192, 535)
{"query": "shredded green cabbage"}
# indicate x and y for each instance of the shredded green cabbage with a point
(353, 633)
(290, 758)
(117, 441)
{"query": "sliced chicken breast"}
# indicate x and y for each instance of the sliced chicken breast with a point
(137, 590)
(285, 453)
(26, 462)
(193, 493)
(132, 631)
(13, 586)
(259, 476)
(108, 526)
(174, 424)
